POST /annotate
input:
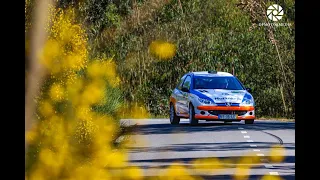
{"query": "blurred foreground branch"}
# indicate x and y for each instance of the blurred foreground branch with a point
(36, 70)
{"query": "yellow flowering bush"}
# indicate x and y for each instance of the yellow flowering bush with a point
(66, 48)
(71, 140)
(176, 172)
(163, 50)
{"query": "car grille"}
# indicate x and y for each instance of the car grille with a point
(231, 104)
(216, 112)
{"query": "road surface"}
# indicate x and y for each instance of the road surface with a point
(157, 144)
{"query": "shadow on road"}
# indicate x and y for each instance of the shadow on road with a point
(230, 146)
(225, 177)
(232, 160)
(161, 128)
(251, 177)
(232, 163)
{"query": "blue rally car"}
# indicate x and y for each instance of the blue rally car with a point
(211, 95)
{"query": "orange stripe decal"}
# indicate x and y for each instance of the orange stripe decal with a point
(198, 116)
(228, 108)
(246, 117)
(173, 100)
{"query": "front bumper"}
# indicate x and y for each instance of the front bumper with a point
(226, 108)
(211, 112)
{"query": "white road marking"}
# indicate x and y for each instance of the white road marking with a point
(253, 145)
(273, 173)
(249, 140)
(240, 128)
(246, 137)
(256, 150)
(260, 154)
(268, 166)
(244, 132)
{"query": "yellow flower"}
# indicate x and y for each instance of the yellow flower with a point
(56, 68)
(93, 93)
(105, 123)
(100, 158)
(96, 69)
(277, 153)
(38, 174)
(133, 111)
(66, 48)
(90, 172)
(114, 82)
(73, 86)
(104, 130)
(163, 50)
(46, 109)
(74, 61)
(241, 173)
(249, 160)
(134, 173)
(271, 177)
(57, 92)
(85, 136)
(139, 112)
(32, 135)
(47, 157)
(51, 161)
(208, 164)
(50, 53)
(84, 112)
(117, 159)
(52, 131)
(176, 172)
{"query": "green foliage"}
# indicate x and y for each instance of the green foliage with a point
(112, 102)
(209, 34)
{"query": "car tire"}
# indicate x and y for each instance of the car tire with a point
(174, 119)
(249, 121)
(192, 119)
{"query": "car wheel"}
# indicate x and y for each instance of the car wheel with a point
(174, 119)
(249, 121)
(192, 119)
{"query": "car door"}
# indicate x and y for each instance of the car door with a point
(178, 95)
(184, 99)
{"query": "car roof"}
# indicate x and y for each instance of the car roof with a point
(207, 73)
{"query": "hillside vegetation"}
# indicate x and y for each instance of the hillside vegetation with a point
(221, 35)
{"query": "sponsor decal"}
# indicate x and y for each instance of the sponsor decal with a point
(226, 98)
(236, 92)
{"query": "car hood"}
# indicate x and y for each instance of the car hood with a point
(223, 95)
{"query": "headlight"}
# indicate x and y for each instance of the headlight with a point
(206, 101)
(247, 100)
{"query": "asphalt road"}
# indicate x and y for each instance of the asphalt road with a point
(157, 144)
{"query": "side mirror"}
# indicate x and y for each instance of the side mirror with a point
(184, 89)
(249, 90)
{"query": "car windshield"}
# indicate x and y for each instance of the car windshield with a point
(230, 83)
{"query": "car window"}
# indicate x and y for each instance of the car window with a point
(229, 83)
(187, 82)
(181, 82)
